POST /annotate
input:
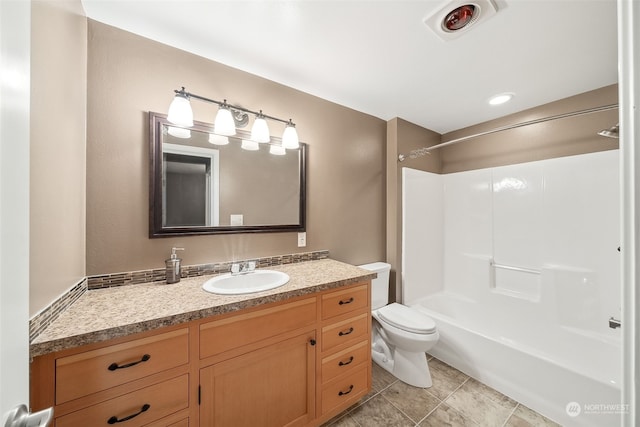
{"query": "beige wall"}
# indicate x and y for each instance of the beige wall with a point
(129, 75)
(557, 138)
(58, 131)
(402, 137)
(563, 137)
(354, 187)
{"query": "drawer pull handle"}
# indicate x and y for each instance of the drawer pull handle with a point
(342, 393)
(348, 362)
(115, 366)
(144, 408)
(312, 341)
(343, 333)
(346, 301)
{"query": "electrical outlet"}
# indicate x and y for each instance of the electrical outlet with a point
(236, 219)
(302, 239)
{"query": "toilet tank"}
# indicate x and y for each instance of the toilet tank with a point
(379, 285)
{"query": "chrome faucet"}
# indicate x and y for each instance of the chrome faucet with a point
(243, 267)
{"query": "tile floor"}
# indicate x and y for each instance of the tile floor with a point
(454, 400)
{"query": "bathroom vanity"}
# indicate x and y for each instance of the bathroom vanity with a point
(294, 356)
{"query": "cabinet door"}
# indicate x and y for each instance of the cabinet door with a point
(273, 386)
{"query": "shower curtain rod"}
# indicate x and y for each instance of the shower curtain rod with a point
(425, 150)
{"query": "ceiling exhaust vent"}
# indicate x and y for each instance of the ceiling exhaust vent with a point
(455, 18)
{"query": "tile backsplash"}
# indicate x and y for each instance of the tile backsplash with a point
(158, 274)
(43, 319)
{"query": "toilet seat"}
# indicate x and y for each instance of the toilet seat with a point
(407, 319)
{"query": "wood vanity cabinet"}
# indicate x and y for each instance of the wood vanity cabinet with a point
(258, 367)
(345, 351)
(133, 381)
(298, 362)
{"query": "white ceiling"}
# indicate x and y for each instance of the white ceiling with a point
(378, 57)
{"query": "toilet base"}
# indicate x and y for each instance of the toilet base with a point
(409, 367)
(412, 368)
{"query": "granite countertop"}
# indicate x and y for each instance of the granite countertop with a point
(103, 314)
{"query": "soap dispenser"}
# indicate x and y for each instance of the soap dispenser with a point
(173, 266)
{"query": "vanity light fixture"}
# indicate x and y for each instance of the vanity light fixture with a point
(290, 136)
(218, 139)
(179, 132)
(277, 150)
(260, 129)
(180, 114)
(249, 145)
(224, 124)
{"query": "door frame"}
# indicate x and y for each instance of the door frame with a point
(15, 63)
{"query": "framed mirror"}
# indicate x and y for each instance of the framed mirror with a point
(203, 183)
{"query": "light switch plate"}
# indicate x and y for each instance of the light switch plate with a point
(302, 239)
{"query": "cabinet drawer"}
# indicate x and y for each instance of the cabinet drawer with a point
(97, 370)
(222, 335)
(345, 390)
(169, 421)
(345, 360)
(345, 331)
(150, 403)
(345, 301)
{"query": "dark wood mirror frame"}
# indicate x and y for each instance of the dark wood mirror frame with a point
(156, 227)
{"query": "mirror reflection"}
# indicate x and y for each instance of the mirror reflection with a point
(203, 183)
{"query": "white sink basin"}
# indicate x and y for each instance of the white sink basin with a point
(256, 281)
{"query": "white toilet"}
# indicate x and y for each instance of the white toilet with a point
(400, 334)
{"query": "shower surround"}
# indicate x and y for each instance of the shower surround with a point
(519, 267)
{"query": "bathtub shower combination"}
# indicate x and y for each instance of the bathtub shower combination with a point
(519, 267)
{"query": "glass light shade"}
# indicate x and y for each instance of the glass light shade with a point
(180, 112)
(277, 150)
(224, 124)
(179, 132)
(218, 139)
(260, 130)
(249, 145)
(290, 137)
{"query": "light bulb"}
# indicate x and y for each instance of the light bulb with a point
(260, 129)
(180, 112)
(218, 139)
(277, 150)
(249, 145)
(179, 132)
(224, 124)
(290, 136)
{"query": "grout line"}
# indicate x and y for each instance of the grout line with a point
(457, 388)
(431, 412)
(399, 410)
(511, 414)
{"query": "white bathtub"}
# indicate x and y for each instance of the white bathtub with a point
(490, 344)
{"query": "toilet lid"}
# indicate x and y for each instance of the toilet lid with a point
(406, 318)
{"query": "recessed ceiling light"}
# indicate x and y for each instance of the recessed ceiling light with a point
(500, 98)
